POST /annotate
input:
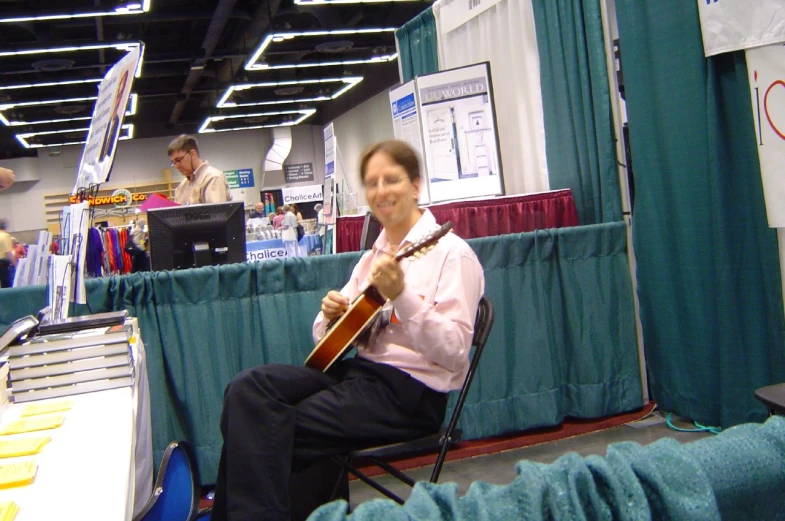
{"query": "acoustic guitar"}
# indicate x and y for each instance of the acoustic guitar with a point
(344, 330)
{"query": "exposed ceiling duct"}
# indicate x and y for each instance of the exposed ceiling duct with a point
(279, 151)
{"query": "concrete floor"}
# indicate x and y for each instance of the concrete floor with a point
(499, 468)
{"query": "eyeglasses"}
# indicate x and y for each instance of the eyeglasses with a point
(176, 161)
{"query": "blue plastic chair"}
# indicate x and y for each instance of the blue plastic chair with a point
(175, 494)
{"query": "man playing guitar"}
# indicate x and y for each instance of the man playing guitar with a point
(279, 419)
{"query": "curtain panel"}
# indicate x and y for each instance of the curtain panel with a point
(417, 49)
(576, 101)
(708, 273)
(563, 343)
(472, 219)
(504, 36)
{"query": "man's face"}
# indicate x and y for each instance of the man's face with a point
(183, 161)
(259, 208)
(390, 193)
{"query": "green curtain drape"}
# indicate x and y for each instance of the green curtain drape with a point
(563, 343)
(579, 142)
(418, 53)
(708, 274)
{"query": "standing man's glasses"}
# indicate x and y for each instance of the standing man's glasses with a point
(177, 160)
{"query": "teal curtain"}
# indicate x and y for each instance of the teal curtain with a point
(708, 274)
(579, 141)
(418, 53)
(563, 343)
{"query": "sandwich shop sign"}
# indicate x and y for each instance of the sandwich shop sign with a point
(302, 194)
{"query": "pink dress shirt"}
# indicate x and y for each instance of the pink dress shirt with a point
(431, 333)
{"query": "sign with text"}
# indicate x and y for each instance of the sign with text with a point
(766, 69)
(458, 121)
(302, 194)
(108, 113)
(329, 151)
(298, 173)
(733, 25)
(239, 178)
(406, 124)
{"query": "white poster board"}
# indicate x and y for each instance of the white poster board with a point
(329, 151)
(732, 25)
(766, 69)
(459, 133)
(407, 126)
(108, 114)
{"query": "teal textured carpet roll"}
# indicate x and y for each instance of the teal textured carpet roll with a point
(738, 475)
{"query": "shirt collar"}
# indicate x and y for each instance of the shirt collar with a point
(424, 225)
(199, 171)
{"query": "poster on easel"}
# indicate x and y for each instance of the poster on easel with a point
(406, 125)
(114, 90)
(460, 138)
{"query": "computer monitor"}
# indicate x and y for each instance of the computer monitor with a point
(194, 236)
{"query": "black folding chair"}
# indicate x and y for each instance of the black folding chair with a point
(773, 397)
(443, 439)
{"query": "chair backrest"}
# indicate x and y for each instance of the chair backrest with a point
(175, 496)
(371, 230)
(482, 328)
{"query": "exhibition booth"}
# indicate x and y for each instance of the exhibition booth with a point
(518, 149)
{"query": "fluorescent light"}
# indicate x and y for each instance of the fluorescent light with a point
(4, 121)
(47, 121)
(133, 102)
(45, 102)
(351, 81)
(22, 138)
(123, 46)
(375, 59)
(279, 37)
(146, 5)
(49, 84)
(305, 113)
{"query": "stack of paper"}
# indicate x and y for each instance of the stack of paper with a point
(17, 474)
(65, 364)
(8, 510)
(13, 447)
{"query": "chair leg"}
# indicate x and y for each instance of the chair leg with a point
(371, 483)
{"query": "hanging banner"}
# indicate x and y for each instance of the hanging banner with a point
(302, 194)
(406, 124)
(108, 113)
(459, 129)
(766, 68)
(732, 25)
(329, 151)
(455, 13)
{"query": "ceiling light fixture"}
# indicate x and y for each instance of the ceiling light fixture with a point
(305, 114)
(279, 37)
(49, 84)
(22, 138)
(121, 46)
(133, 102)
(374, 59)
(350, 82)
(131, 8)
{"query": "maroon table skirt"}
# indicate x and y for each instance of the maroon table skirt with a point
(483, 217)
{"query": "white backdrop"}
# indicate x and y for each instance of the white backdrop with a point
(504, 35)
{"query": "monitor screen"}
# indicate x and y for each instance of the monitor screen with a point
(194, 236)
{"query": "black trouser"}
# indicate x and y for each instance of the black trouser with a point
(5, 273)
(280, 419)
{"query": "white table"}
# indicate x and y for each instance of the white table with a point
(99, 463)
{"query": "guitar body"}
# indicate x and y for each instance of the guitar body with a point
(343, 332)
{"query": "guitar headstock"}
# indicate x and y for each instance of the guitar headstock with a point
(425, 244)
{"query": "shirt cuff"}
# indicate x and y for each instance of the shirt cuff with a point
(407, 304)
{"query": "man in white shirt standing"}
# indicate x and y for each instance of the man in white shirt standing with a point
(289, 231)
(280, 419)
(203, 183)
